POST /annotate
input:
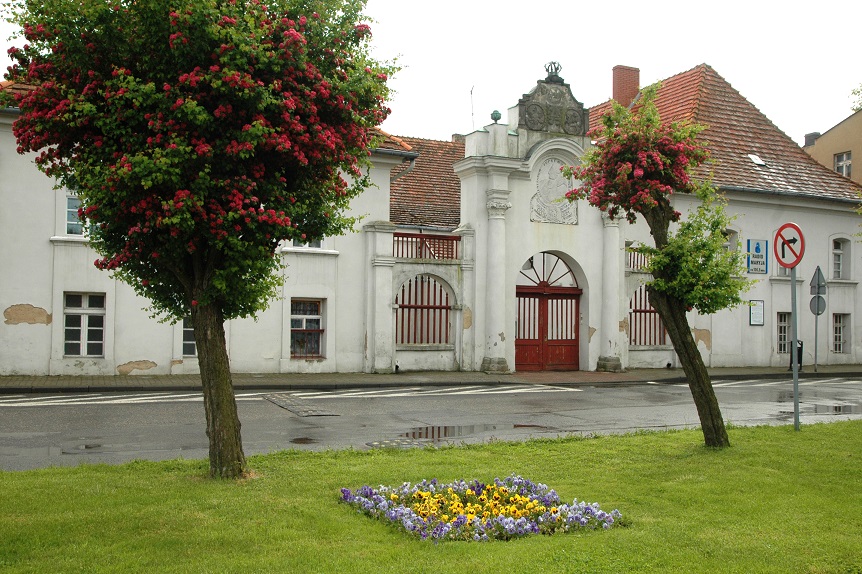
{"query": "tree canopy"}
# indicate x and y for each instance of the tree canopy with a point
(199, 134)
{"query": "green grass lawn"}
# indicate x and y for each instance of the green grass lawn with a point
(776, 501)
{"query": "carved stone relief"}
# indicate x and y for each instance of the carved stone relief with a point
(551, 107)
(549, 203)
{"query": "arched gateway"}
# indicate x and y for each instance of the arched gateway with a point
(548, 308)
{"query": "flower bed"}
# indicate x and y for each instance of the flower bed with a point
(506, 509)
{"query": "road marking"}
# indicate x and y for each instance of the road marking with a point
(429, 391)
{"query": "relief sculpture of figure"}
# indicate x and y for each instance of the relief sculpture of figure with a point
(548, 204)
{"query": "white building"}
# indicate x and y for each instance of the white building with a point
(464, 260)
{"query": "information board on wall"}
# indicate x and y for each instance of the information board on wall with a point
(758, 261)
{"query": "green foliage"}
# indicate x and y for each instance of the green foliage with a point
(697, 266)
(857, 93)
(200, 134)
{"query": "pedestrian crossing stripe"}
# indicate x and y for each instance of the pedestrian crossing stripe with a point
(90, 399)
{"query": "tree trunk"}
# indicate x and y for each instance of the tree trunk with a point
(223, 429)
(673, 313)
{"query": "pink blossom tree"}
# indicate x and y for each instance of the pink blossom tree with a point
(199, 135)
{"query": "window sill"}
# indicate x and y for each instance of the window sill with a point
(308, 358)
(70, 239)
(650, 347)
(310, 251)
(425, 347)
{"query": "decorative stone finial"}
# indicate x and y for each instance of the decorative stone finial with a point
(553, 70)
(495, 115)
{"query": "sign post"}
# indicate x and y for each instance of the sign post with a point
(789, 247)
(818, 304)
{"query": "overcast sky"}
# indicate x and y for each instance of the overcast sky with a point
(796, 62)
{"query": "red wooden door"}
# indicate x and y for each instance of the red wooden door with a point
(547, 329)
(548, 315)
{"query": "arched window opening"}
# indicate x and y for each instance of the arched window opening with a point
(424, 312)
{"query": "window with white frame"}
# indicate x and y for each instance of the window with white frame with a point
(840, 333)
(306, 328)
(74, 226)
(842, 163)
(784, 337)
(190, 348)
(313, 244)
(840, 259)
(84, 324)
(731, 240)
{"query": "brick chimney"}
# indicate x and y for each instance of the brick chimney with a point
(626, 84)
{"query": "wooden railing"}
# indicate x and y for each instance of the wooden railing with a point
(421, 246)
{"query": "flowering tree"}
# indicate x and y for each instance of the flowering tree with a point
(200, 134)
(636, 167)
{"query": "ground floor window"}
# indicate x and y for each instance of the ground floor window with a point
(840, 326)
(783, 332)
(84, 324)
(306, 328)
(190, 348)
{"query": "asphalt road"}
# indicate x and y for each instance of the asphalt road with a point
(41, 430)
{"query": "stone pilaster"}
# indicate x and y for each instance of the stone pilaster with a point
(609, 354)
(495, 291)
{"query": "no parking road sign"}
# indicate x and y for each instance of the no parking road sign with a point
(789, 245)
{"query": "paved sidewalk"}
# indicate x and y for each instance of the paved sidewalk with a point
(143, 382)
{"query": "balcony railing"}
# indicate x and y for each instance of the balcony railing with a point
(421, 246)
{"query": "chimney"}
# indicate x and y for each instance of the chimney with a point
(626, 84)
(811, 138)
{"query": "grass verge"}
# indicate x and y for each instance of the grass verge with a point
(776, 501)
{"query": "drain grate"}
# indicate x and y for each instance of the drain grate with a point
(297, 406)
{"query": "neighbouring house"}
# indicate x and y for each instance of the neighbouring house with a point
(465, 259)
(837, 147)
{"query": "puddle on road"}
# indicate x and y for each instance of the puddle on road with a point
(422, 436)
(837, 409)
(303, 440)
(438, 433)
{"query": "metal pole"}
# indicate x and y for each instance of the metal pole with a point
(793, 350)
(816, 322)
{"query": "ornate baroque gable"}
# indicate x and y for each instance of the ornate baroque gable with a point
(551, 107)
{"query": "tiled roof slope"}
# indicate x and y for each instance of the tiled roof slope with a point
(429, 195)
(735, 129)
(389, 142)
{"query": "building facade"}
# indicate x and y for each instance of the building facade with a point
(467, 257)
(837, 147)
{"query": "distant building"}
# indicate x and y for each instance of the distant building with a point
(465, 259)
(837, 147)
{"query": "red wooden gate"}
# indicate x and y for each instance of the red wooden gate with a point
(548, 316)
(547, 329)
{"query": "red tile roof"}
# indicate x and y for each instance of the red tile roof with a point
(736, 129)
(429, 193)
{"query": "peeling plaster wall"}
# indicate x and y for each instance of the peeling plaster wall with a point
(25, 313)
